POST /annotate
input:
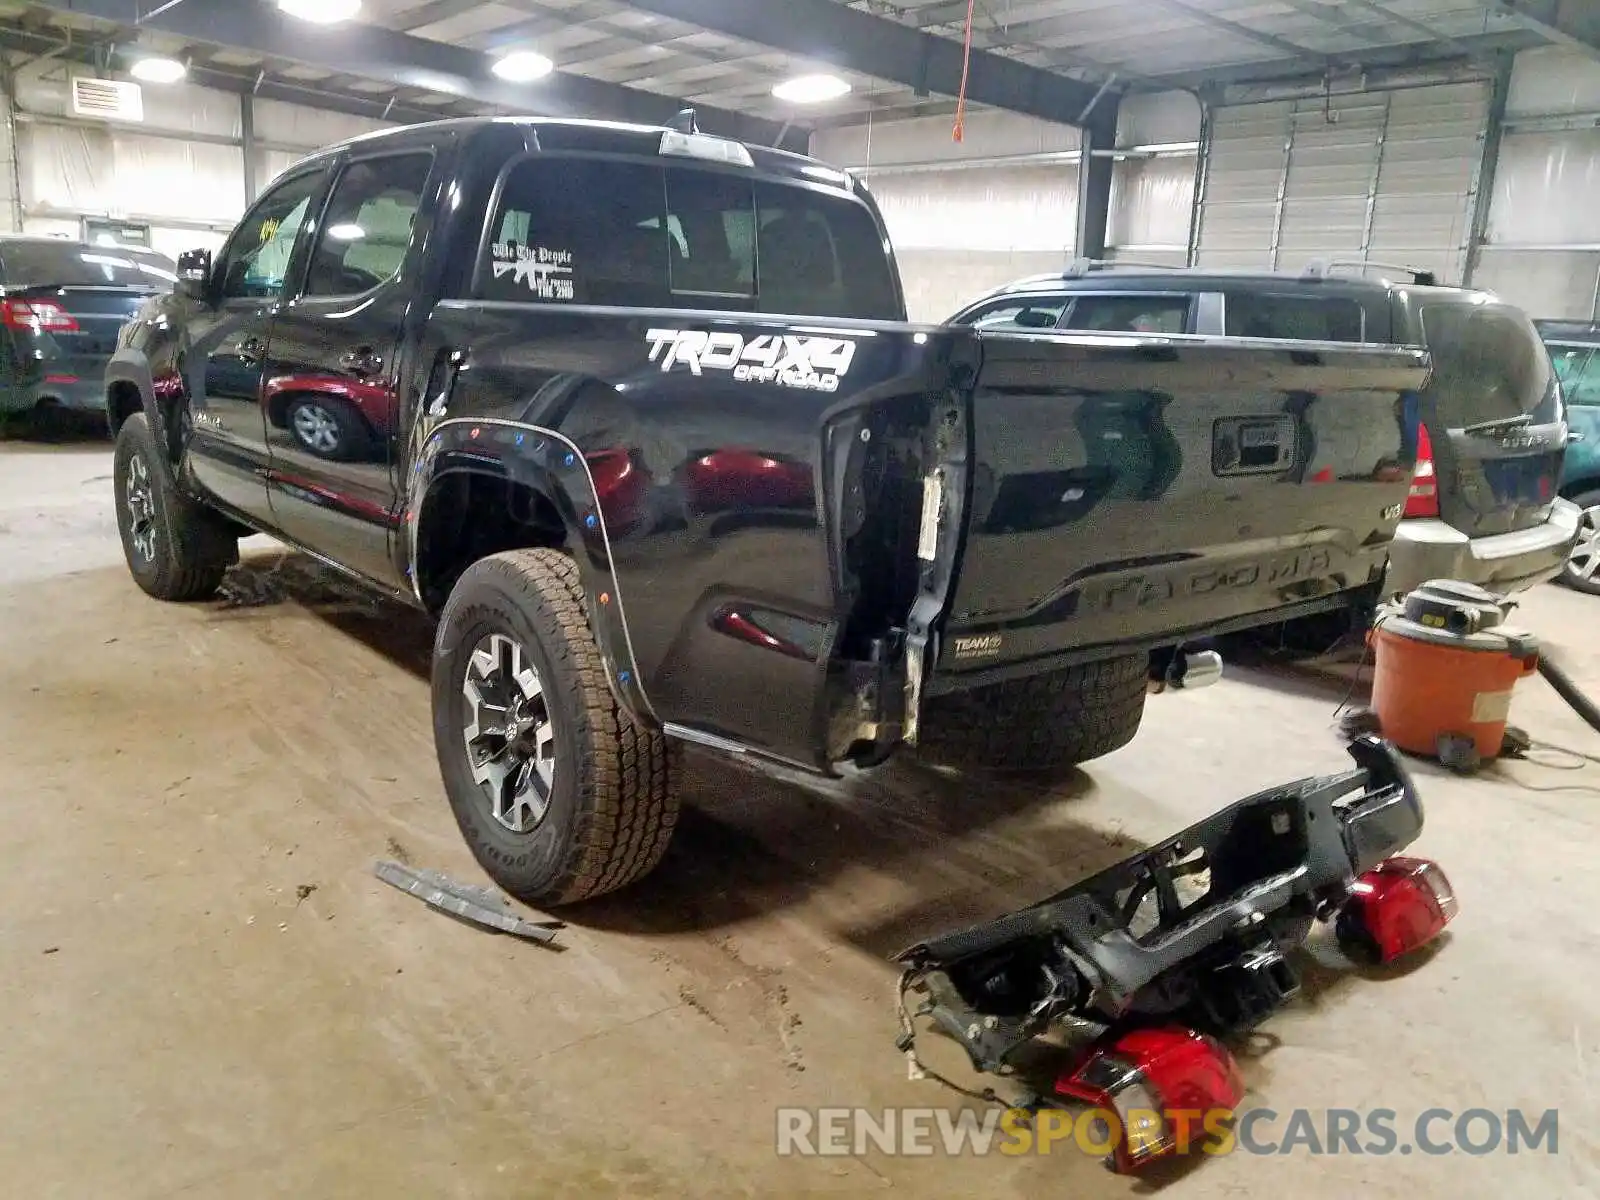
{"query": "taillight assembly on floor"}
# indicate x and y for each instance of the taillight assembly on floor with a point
(1162, 1084)
(40, 316)
(1399, 906)
(1423, 499)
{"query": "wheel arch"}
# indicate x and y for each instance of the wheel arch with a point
(479, 487)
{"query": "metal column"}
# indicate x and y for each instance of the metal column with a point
(1483, 176)
(247, 145)
(1377, 179)
(1094, 183)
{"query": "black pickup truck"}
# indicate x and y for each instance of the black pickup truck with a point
(637, 414)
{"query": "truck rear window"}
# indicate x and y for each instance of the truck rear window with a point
(647, 235)
(75, 264)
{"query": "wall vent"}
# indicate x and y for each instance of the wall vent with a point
(107, 99)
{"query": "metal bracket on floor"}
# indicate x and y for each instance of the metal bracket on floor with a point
(478, 905)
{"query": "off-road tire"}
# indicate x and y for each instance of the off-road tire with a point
(1042, 725)
(1587, 501)
(194, 545)
(613, 804)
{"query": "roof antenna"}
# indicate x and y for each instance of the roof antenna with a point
(684, 122)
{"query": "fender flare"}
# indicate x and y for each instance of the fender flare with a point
(552, 465)
(133, 367)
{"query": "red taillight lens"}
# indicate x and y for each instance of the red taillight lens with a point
(1423, 500)
(38, 316)
(1395, 908)
(1166, 1086)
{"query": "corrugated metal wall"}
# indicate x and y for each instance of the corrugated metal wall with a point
(1542, 248)
(1375, 176)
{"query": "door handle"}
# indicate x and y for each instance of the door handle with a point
(252, 350)
(362, 361)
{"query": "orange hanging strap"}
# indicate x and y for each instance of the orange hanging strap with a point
(960, 131)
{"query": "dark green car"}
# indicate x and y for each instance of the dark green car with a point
(1575, 350)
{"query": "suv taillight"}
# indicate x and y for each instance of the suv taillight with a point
(37, 316)
(1423, 500)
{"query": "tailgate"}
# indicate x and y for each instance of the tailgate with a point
(1128, 490)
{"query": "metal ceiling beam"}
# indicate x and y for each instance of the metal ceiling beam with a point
(828, 32)
(1571, 23)
(404, 61)
(1383, 13)
(1270, 40)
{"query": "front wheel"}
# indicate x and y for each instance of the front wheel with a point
(1043, 725)
(560, 795)
(1582, 571)
(176, 547)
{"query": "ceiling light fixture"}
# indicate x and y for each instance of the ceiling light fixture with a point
(157, 69)
(812, 89)
(321, 12)
(523, 66)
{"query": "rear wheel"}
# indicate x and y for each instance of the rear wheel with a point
(559, 794)
(176, 547)
(1042, 725)
(1583, 568)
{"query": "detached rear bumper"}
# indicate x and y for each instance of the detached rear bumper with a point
(1128, 942)
(1427, 549)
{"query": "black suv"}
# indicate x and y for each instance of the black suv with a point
(1488, 433)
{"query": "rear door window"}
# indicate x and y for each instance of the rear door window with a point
(1488, 365)
(1130, 313)
(1584, 386)
(73, 264)
(1037, 312)
(1294, 318)
(1570, 363)
(646, 235)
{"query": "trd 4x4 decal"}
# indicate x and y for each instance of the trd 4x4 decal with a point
(813, 363)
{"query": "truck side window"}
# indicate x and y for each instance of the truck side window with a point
(255, 263)
(366, 229)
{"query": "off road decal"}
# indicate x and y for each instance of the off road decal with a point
(547, 272)
(812, 363)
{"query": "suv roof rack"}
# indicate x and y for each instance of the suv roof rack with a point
(1321, 268)
(1079, 267)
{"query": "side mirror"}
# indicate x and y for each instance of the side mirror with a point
(194, 273)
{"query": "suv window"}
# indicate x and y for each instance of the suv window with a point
(609, 232)
(1488, 365)
(366, 229)
(1129, 313)
(73, 264)
(1583, 387)
(1039, 313)
(1294, 318)
(255, 263)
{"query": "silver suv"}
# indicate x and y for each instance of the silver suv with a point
(1488, 434)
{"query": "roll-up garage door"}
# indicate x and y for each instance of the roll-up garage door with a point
(1375, 176)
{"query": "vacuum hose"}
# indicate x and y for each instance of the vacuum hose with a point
(1568, 691)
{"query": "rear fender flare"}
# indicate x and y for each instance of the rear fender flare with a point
(553, 466)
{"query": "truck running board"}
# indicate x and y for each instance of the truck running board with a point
(1195, 929)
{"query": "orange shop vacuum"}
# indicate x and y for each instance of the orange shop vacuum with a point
(1446, 667)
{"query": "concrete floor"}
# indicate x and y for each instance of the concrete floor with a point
(178, 1021)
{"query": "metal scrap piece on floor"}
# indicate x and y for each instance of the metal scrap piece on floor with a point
(479, 905)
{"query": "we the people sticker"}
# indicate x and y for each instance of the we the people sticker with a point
(547, 272)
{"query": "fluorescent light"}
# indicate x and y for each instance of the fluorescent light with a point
(158, 70)
(523, 66)
(321, 12)
(812, 89)
(347, 232)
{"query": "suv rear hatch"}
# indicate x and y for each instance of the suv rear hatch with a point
(1493, 414)
(1129, 491)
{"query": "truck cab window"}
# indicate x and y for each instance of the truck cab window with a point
(366, 230)
(256, 262)
(606, 232)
